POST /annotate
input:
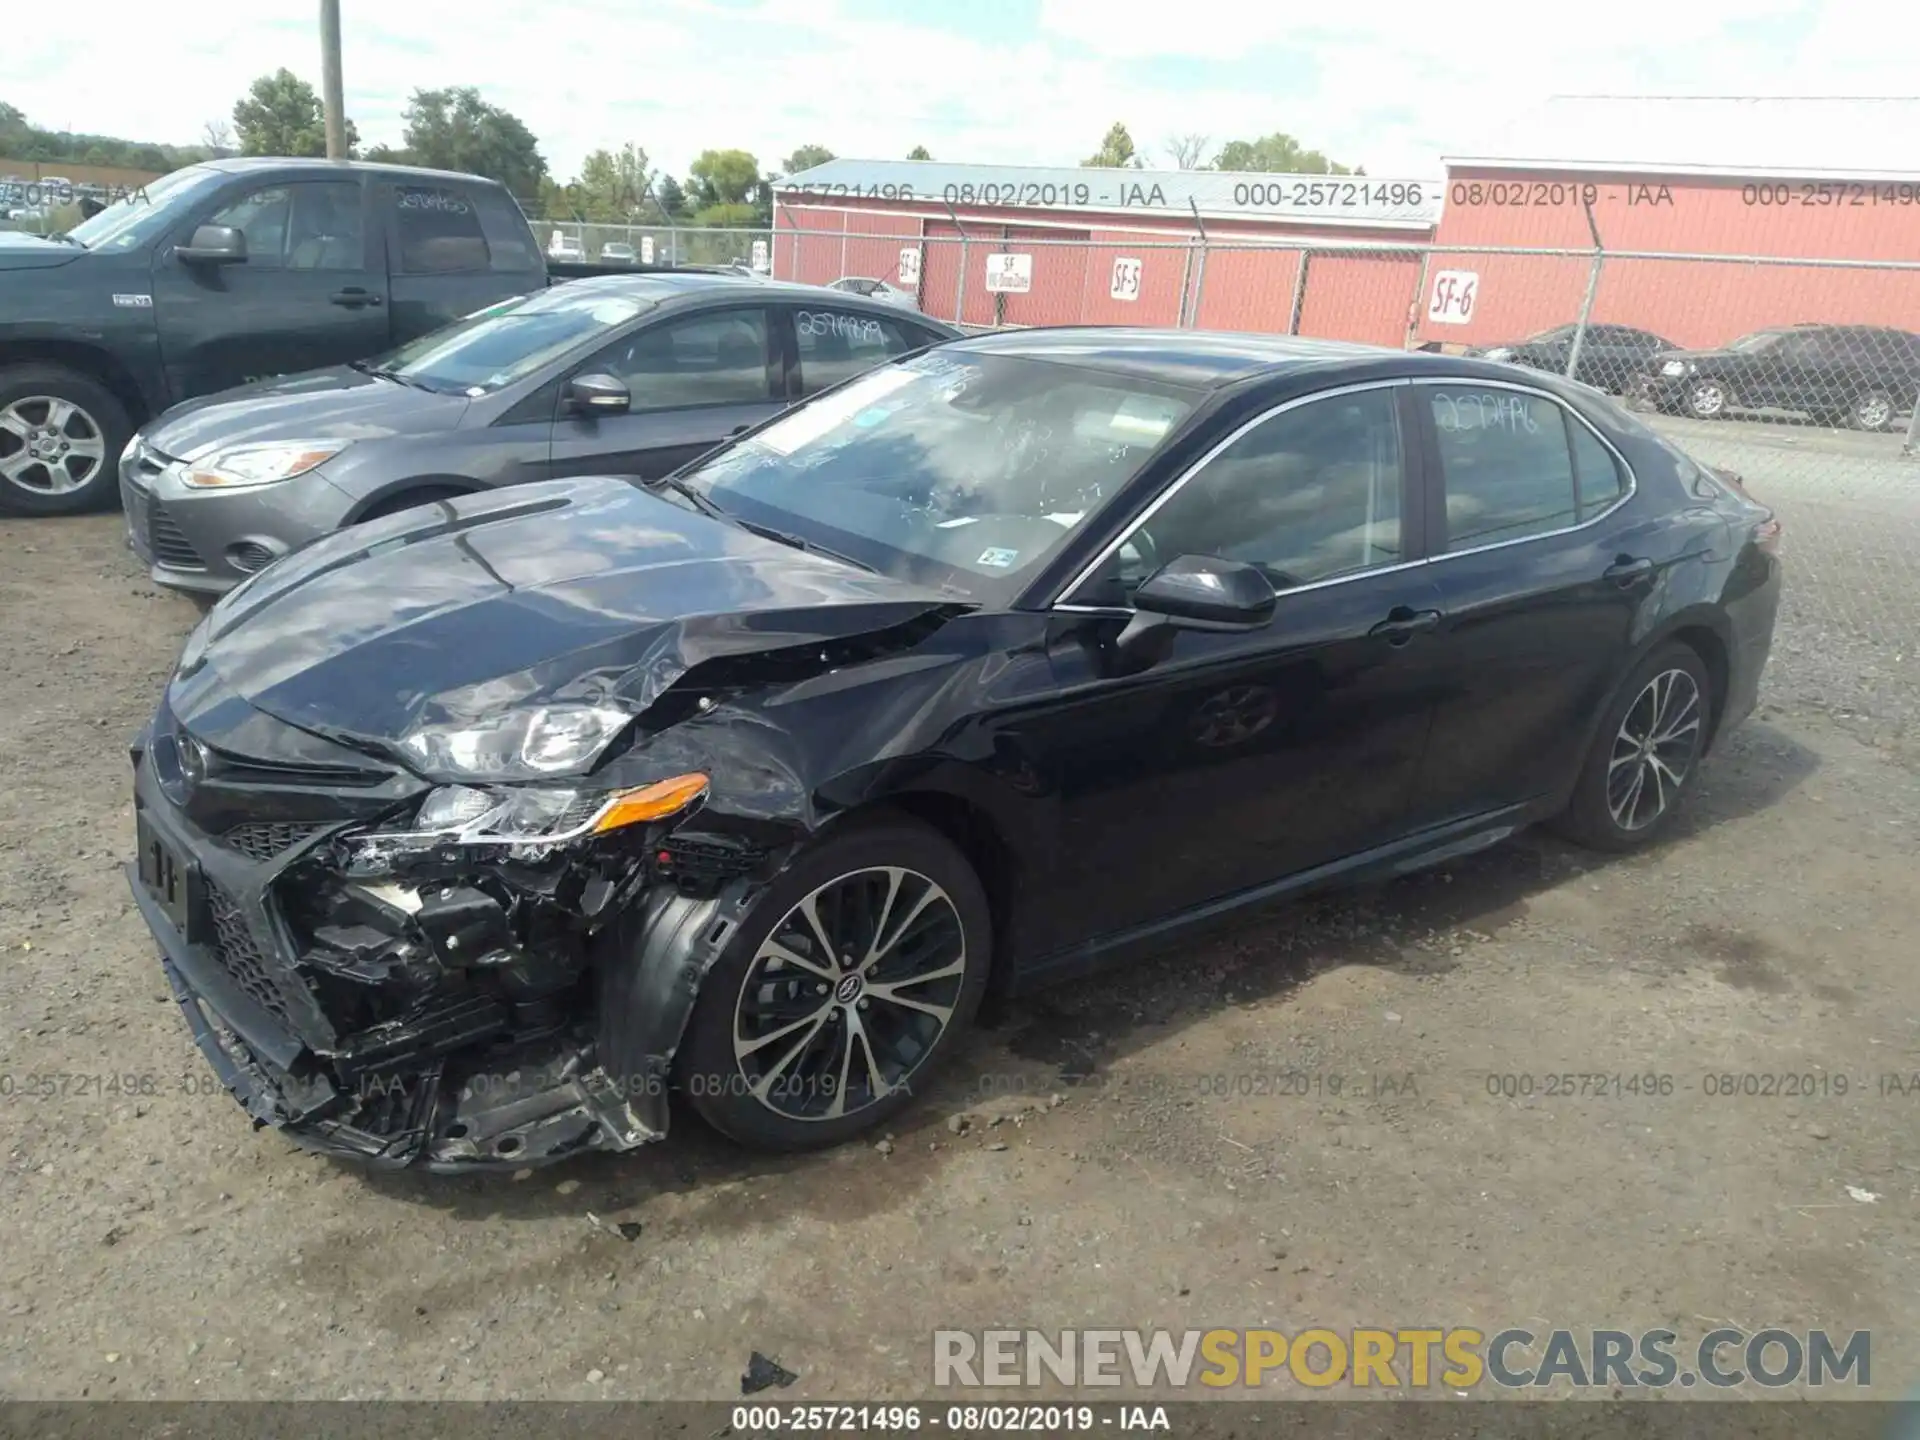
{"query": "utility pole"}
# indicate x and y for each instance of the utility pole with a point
(332, 94)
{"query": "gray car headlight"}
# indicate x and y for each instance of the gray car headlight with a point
(244, 466)
(518, 744)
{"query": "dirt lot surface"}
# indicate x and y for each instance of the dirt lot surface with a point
(1292, 1124)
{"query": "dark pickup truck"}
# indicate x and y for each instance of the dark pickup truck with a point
(226, 272)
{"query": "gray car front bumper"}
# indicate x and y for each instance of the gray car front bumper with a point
(208, 541)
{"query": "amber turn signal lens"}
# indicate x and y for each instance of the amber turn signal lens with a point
(651, 802)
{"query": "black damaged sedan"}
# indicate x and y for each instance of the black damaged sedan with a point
(471, 835)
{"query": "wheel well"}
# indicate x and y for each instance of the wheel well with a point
(413, 493)
(986, 849)
(1712, 651)
(98, 364)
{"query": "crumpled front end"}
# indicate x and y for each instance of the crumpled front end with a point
(401, 1003)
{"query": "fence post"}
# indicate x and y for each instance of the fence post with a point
(1200, 279)
(1913, 431)
(966, 244)
(1299, 292)
(1186, 278)
(1419, 299)
(1586, 303)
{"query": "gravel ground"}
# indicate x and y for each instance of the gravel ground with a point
(1289, 1124)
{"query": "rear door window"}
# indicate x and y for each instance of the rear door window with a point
(1506, 464)
(437, 231)
(836, 345)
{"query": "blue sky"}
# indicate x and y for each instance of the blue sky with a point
(1393, 85)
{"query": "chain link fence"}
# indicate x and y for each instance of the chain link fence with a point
(653, 244)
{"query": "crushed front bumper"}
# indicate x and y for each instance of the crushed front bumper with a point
(501, 1101)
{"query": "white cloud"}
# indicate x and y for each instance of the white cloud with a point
(1394, 84)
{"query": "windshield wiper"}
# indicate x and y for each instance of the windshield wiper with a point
(681, 487)
(367, 367)
(799, 542)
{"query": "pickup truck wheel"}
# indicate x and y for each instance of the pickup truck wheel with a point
(61, 435)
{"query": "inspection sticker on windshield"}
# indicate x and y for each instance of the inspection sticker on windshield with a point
(998, 558)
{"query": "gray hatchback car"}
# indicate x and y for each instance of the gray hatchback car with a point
(622, 375)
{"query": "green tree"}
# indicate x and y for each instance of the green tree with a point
(919, 152)
(805, 158)
(725, 216)
(723, 177)
(454, 129)
(281, 115)
(672, 199)
(613, 184)
(15, 133)
(1276, 154)
(1116, 151)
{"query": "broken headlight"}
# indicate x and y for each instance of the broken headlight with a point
(518, 744)
(526, 820)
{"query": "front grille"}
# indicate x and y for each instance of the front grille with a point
(264, 840)
(134, 500)
(169, 546)
(249, 555)
(241, 957)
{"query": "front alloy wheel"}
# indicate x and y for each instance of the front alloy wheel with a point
(1871, 411)
(850, 980)
(49, 446)
(848, 993)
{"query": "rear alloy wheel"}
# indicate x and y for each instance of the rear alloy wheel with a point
(60, 440)
(1707, 400)
(1645, 753)
(852, 978)
(1872, 410)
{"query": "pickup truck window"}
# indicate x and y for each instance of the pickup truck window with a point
(307, 226)
(439, 231)
(149, 211)
(504, 343)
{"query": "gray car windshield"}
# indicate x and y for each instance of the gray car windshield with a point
(953, 468)
(147, 211)
(511, 340)
(1759, 340)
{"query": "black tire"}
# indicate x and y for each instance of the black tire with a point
(407, 499)
(1707, 398)
(717, 1082)
(101, 416)
(1872, 410)
(1591, 818)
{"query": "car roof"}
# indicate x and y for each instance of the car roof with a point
(1193, 358)
(244, 164)
(664, 285)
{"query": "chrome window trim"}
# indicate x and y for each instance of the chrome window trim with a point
(1179, 481)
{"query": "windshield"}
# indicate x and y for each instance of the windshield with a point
(1758, 340)
(956, 469)
(147, 211)
(509, 341)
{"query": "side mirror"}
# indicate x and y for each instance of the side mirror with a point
(598, 395)
(214, 245)
(1194, 592)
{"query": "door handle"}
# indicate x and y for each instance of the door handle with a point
(1628, 570)
(353, 297)
(1403, 623)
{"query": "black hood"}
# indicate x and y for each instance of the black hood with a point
(567, 590)
(340, 403)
